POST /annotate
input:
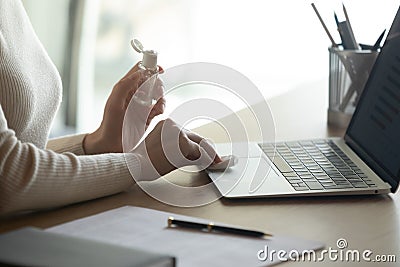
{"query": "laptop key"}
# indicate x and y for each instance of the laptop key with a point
(353, 176)
(327, 180)
(368, 181)
(301, 188)
(360, 185)
(342, 183)
(281, 164)
(322, 177)
(293, 178)
(290, 174)
(313, 185)
(330, 186)
(338, 179)
(300, 169)
(327, 185)
(308, 180)
(340, 187)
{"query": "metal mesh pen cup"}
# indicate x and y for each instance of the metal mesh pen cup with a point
(348, 72)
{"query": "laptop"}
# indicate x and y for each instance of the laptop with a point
(365, 161)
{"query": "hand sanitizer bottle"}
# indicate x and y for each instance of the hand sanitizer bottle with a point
(138, 110)
(150, 69)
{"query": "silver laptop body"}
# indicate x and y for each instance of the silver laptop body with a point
(365, 161)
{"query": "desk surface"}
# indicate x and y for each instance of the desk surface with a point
(366, 222)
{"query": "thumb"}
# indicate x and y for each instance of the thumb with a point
(198, 155)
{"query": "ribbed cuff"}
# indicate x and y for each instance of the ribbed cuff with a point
(134, 164)
(71, 143)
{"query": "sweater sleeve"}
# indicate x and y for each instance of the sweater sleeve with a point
(71, 143)
(33, 178)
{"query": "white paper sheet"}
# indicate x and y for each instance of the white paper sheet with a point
(147, 229)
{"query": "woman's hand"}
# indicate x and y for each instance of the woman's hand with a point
(108, 137)
(168, 147)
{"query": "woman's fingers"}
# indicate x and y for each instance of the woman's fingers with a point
(127, 87)
(169, 146)
(157, 109)
(159, 106)
(204, 144)
(134, 78)
(134, 69)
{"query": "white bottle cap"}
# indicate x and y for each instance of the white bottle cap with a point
(149, 60)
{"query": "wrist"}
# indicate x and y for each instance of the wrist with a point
(145, 171)
(92, 143)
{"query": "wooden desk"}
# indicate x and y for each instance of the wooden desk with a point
(371, 222)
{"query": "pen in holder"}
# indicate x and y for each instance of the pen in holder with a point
(348, 72)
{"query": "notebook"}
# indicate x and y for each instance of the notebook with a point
(34, 247)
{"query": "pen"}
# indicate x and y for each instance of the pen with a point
(345, 13)
(323, 25)
(211, 227)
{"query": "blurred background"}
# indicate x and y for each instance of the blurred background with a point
(279, 45)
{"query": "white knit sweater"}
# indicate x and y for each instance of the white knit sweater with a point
(32, 175)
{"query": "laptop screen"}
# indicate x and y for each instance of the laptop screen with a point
(374, 131)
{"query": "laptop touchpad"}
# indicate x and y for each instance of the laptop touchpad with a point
(249, 177)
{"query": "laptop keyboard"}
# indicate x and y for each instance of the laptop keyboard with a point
(316, 165)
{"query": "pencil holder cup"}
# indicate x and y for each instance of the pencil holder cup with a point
(348, 73)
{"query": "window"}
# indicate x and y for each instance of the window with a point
(279, 45)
